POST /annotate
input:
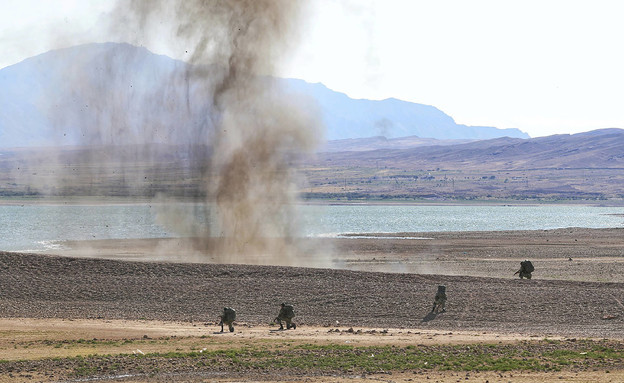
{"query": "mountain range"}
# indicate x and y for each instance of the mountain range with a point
(582, 166)
(117, 98)
(68, 96)
(603, 148)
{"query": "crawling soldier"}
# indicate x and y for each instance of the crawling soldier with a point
(228, 317)
(286, 314)
(440, 300)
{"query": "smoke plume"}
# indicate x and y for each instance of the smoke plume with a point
(239, 131)
(253, 133)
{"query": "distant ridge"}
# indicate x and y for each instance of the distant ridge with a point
(380, 142)
(58, 97)
(584, 166)
(603, 148)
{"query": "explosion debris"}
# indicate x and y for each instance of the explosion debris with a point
(239, 130)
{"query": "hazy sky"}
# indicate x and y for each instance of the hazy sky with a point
(544, 67)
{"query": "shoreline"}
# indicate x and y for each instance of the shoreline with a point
(575, 254)
(60, 201)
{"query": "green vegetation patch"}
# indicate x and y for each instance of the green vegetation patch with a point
(534, 356)
(523, 356)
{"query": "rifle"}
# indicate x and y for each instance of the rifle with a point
(517, 271)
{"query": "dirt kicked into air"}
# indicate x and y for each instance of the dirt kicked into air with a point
(254, 133)
(237, 134)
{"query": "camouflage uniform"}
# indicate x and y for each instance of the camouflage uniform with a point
(286, 313)
(228, 317)
(526, 268)
(440, 300)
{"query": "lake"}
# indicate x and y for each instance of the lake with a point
(36, 228)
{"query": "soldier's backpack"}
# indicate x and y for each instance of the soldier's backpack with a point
(289, 311)
(527, 266)
(229, 314)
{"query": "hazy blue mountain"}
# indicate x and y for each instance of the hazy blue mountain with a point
(391, 118)
(117, 93)
(97, 93)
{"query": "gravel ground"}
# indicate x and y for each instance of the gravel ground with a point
(577, 291)
(42, 286)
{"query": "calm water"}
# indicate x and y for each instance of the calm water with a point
(37, 228)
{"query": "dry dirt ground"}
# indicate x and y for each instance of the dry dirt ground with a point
(58, 310)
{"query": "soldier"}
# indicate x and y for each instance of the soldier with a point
(440, 300)
(228, 317)
(526, 268)
(286, 314)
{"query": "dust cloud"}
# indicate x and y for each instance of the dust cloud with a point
(254, 133)
(223, 120)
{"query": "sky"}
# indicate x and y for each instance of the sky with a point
(544, 67)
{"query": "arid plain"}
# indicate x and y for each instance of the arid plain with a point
(133, 311)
